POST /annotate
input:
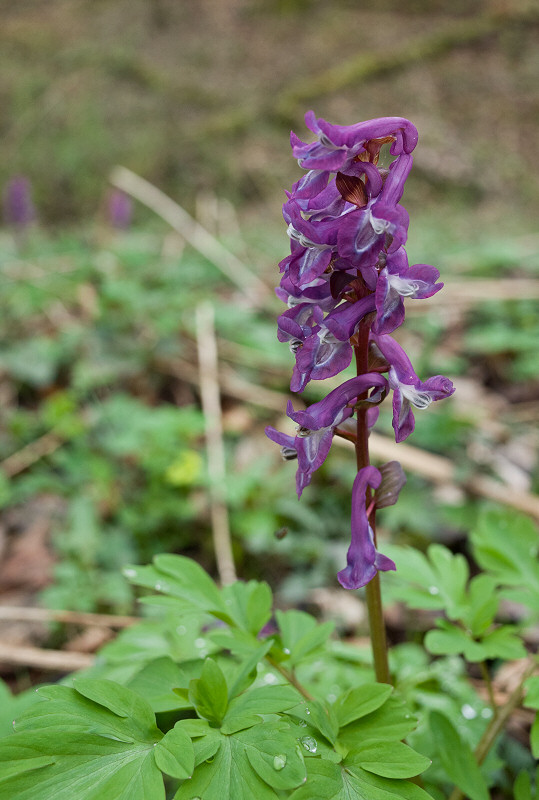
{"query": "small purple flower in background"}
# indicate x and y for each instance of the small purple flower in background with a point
(345, 282)
(119, 209)
(19, 210)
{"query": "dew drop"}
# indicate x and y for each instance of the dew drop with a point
(286, 651)
(309, 743)
(181, 629)
(200, 642)
(486, 713)
(158, 587)
(279, 761)
(302, 723)
(468, 712)
(130, 573)
(196, 798)
(331, 697)
(434, 590)
(270, 678)
(307, 710)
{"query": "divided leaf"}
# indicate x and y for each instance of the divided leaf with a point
(70, 744)
(252, 763)
(329, 781)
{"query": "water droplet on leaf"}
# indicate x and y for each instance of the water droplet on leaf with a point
(309, 743)
(302, 723)
(434, 590)
(279, 762)
(468, 712)
(181, 629)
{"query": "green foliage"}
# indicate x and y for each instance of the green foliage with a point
(439, 581)
(457, 759)
(236, 724)
(514, 567)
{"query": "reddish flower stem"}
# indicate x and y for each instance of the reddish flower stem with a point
(372, 590)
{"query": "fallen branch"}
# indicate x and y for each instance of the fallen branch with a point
(21, 614)
(210, 395)
(55, 660)
(30, 453)
(197, 236)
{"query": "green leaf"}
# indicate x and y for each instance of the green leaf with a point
(318, 716)
(274, 755)
(534, 737)
(182, 578)
(156, 682)
(86, 748)
(329, 781)
(174, 754)
(504, 643)
(389, 759)
(391, 722)
(522, 790)
(358, 702)
(531, 686)
(247, 709)
(452, 640)
(247, 765)
(312, 641)
(12, 706)
(516, 565)
(209, 693)
(457, 759)
(248, 670)
(483, 604)
(435, 581)
(120, 700)
(249, 604)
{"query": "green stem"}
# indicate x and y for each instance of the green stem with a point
(373, 595)
(488, 683)
(496, 725)
(290, 677)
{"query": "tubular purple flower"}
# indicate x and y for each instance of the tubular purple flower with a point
(337, 145)
(321, 356)
(397, 281)
(363, 560)
(317, 423)
(408, 390)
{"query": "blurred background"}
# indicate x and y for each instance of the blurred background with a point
(102, 454)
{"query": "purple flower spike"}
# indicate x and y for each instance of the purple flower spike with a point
(397, 281)
(18, 207)
(119, 209)
(408, 390)
(363, 560)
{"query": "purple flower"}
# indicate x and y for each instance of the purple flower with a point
(316, 425)
(318, 293)
(119, 209)
(363, 560)
(408, 390)
(337, 145)
(327, 351)
(18, 206)
(397, 281)
(381, 224)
